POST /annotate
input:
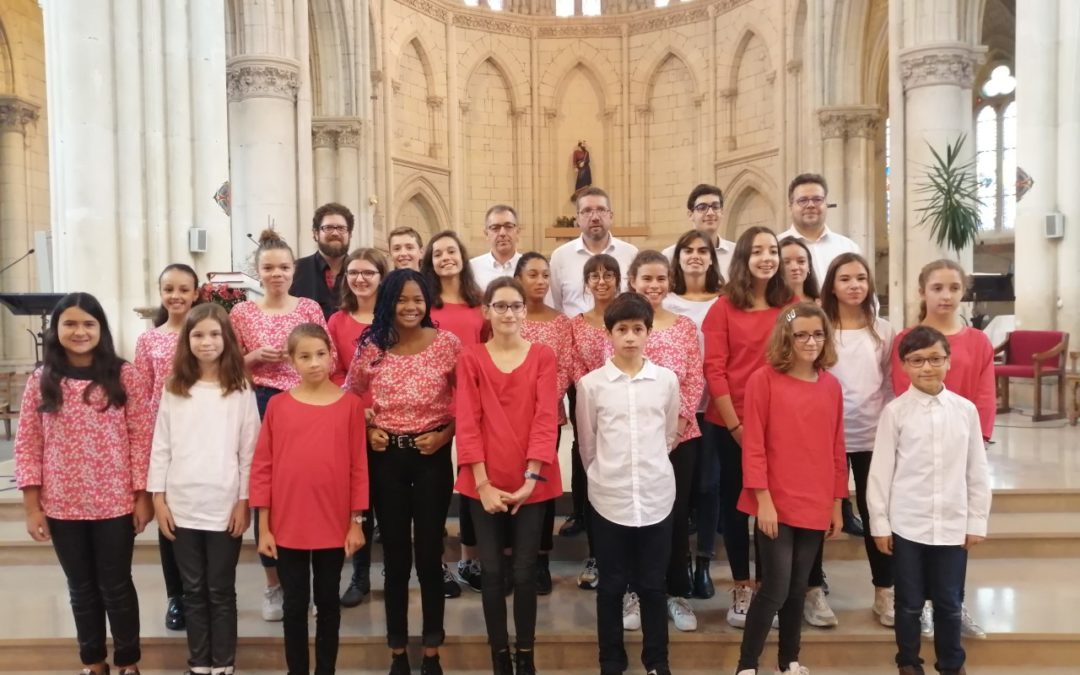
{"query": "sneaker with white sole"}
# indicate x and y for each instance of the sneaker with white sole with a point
(590, 576)
(748, 671)
(740, 604)
(885, 606)
(273, 597)
(926, 619)
(968, 627)
(682, 614)
(469, 573)
(794, 669)
(631, 612)
(816, 610)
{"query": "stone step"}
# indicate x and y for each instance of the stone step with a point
(862, 670)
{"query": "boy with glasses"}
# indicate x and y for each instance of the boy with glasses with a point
(705, 211)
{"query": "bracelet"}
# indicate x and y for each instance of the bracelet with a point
(482, 484)
(535, 476)
(734, 428)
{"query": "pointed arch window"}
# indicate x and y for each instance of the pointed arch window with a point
(995, 150)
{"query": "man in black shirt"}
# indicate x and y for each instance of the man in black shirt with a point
(319, 275)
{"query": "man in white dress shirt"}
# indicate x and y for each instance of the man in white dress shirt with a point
(594, 217)
(806, 200)
(705, 211)
(502, 232)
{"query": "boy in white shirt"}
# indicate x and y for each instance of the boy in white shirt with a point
(928, 495)
(627, 412)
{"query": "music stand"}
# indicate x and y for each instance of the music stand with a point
(33, 304)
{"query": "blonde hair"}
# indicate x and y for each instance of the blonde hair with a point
(931, 267)
(780, 352)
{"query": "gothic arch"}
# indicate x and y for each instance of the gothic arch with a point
(748, 183)
(421, 189)
(332, 78)
(234, 28)
(658, 56)
(749, 32)
(425, 61)
(513, 71)
(591, 75)
(7, 67)
(593, 62)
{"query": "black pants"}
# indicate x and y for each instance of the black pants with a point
(736, 523)
(936, 573)
(579, 484)
(467, 532)
(520, 532)
(262, 398)
(174, 585)
(411, 502)
(708, 489)
(96, 558)
(785, 565)
(207, 564)
(637, 557)
(301, 571)
(683, 460)
(547, 528)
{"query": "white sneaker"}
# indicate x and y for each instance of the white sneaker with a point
(885, 606)
(682, 614)
(740, 604)
(590, 576)
(747, 672)
(968, 627)
(816, 610)
(273, 597)
(926, 619)
(794, 669)
(314, 610)
(631, 612)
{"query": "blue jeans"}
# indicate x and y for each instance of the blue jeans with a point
(923, 572)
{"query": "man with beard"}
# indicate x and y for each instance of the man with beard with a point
(705, 210)
(319, 275)
(806, 200)
(502, 232)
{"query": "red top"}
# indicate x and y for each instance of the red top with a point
(467, 323)
(971, 372)
(345, 334)
(411, 393)
(87, 461)
(676, 348)
(255, 328)
(793, 446)
(735, 342)
(591, 347)
(154, 352)
(310, 470)
(555, 334)
(506, 419)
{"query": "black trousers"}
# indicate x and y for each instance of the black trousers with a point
(683, 461)
(174, 585)
(736, 523)
(631, 557)
(411, 502)
(521, 532)
(96, 558)
(579, 484)
(207, 564)
(547, 528)
(301, 571)
(785, 566)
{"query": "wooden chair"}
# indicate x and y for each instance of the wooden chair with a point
(12, 383)
(1033, 355)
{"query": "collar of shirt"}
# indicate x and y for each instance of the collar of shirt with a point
(579, 245)
(793, 232)
(924, 399)
(490, 260)
(613, 374)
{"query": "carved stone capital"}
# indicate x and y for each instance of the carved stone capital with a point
(833, 123)
(551, 113)
(435, 102)
(349, 136)
(262, 77)
(376, 77)
(323, 136)
(395, 86)
(727, 94)
(770, 76)
(853, 121)
(794, 66)
(16, 113)
(465, 105)
(520, 113)
(950, 63)
(643, 111)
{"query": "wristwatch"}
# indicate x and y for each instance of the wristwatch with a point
(535, 476)
(359, 520)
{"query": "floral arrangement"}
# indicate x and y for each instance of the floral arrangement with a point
(565, 221)
(222, 294)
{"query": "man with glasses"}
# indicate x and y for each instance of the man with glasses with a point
(502, 232)
(705, 211)
(806, 200)
(319, 275)
(594, 217)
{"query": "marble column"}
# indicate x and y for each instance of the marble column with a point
(348, 174)
(862, 173)
(833, 133)
(15, 235)
(324, 149)
(1068, 139)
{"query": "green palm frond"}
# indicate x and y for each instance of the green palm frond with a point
(951, 205)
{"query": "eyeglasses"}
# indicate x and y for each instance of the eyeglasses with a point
(367, 274)
(803, 337)
(589, 213)
(705, 208)
(495, 228)
(920, 361)
(803, 202)
(501, 307)
(596, 276)
(337, 229)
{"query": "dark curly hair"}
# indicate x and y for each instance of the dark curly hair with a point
(381, 332)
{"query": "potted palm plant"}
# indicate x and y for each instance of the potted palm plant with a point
(951, 203)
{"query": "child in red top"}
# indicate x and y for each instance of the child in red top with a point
(81, 458)
(154, 350)
(736, 330)
(309, 482)
(794, 474)
(506, 401)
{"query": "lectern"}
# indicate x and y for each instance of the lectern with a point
(33, 304)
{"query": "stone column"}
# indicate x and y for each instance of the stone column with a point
(348, 174)
(1068, 118)
(833, 133)
(324, 144)
(15, 236)
(862, 175)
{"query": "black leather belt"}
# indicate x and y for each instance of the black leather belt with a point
(408, 441)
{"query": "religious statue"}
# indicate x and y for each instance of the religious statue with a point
(581, 164)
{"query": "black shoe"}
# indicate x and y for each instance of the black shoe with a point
(573, 526)
(689, 578)
(663, 670)
(88, 671)
(853, 525)
(703, 584)
(450, 587)
(399, 664)
(430, 666)
(376, 535)
(543, 576)
(469, 571)
(523, 663)
(356, 593)
(174, 614)
(501, 663)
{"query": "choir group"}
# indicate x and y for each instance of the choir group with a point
(707, 384)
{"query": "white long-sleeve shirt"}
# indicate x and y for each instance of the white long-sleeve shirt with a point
(929, 481)
(201, 455)
(568, 270)
(863, 367)
(626, 426)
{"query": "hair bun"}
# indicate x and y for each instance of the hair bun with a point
(269, 236)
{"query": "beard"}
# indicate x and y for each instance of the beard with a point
(333, 249)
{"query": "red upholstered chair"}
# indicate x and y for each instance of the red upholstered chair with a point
(1033, 355)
